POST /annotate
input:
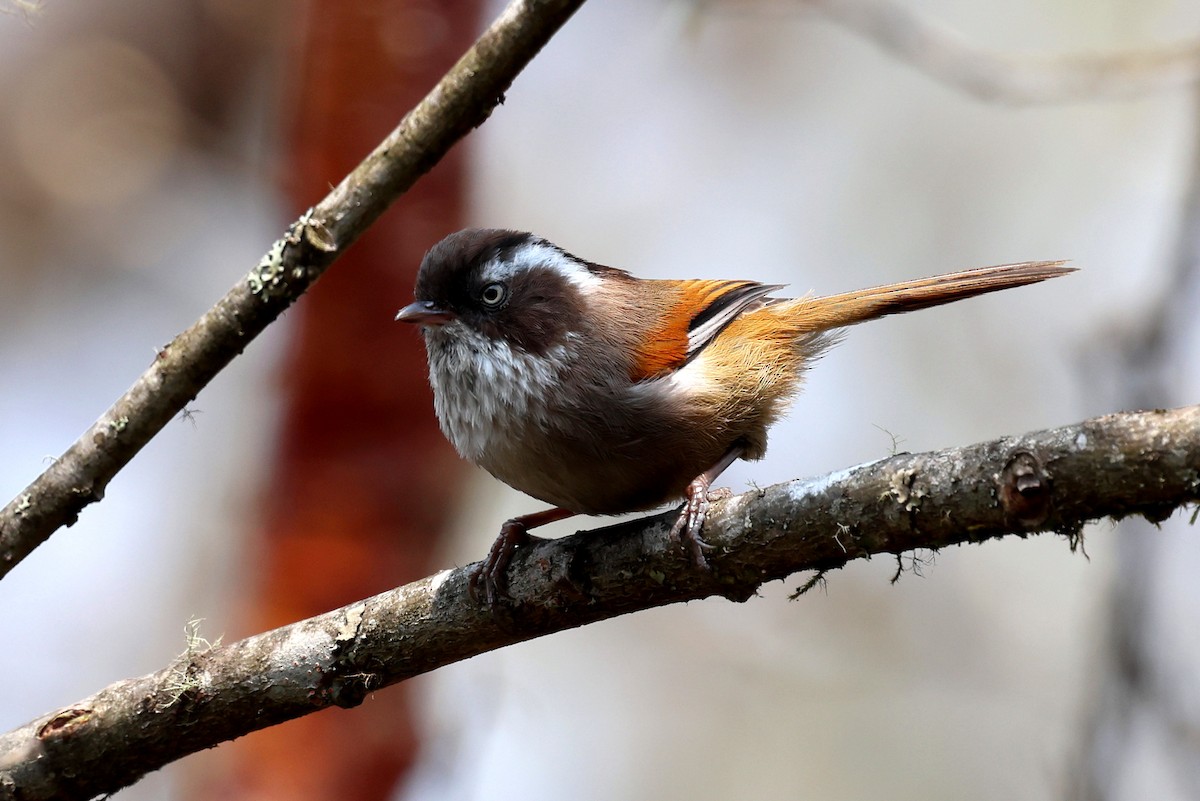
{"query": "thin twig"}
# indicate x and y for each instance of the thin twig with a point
(461, 101)
(1144, 463)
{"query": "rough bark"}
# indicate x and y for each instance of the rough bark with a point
(1145, 463)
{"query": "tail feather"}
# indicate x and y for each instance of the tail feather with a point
(837, 311)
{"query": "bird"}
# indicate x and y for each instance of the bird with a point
(602, 393)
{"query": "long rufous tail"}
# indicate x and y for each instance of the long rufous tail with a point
(837, 311)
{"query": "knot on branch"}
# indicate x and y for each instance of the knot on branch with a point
(283, 272)
(1025, 491)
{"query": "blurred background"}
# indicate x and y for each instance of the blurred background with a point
(150, 153)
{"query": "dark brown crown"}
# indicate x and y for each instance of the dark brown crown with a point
(542, 304)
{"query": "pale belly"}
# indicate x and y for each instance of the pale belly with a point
(511, 413)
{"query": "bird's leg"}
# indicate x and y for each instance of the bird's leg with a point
(513, 534)
(691, 518)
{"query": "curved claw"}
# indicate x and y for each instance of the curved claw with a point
(492, 573)
(691, 518)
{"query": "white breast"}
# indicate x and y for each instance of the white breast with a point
(488, 394)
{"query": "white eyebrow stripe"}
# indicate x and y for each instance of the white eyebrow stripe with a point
(541, 254)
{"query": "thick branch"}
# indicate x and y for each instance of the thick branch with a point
(462, 100)
(1002, 78)
(1144, 463)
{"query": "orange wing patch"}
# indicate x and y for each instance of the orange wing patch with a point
(694, 313)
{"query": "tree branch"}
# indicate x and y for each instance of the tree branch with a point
(1145, 463)
(461, 101)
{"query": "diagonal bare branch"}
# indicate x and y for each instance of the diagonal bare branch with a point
(461, 101)
(1145, 463)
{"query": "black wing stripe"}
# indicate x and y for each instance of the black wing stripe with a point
(712, 320)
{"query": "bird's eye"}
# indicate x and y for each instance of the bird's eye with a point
(493, 295)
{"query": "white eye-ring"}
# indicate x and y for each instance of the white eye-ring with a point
(493, 295)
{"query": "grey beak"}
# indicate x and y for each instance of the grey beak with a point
(424, 312)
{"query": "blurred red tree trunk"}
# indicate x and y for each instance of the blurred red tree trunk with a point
(363, 480)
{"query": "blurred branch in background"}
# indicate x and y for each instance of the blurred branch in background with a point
(1136, 691)
(461, 101)
(996, 77)
(28, 9)
(1003, 78)
(1140, 690)
(1117, 465)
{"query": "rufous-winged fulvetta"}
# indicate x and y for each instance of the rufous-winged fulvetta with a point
(601, 393)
